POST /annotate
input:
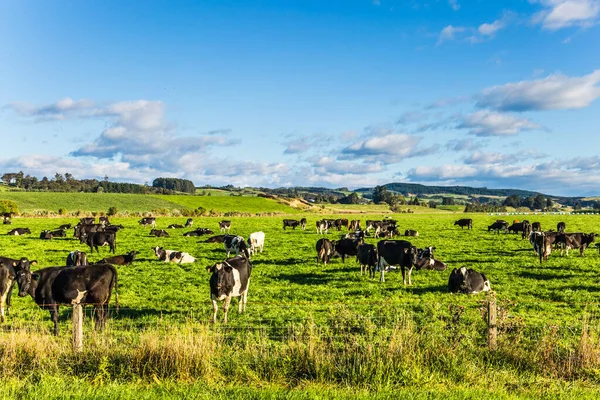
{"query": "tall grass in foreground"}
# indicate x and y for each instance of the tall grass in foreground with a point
(362, 356)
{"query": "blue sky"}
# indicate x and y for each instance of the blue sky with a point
(331, 93)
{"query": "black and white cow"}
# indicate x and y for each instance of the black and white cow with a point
(98, 239)
(148, 221)
(159, 233)
(354, 225)
(76, 258)
(81, 230)
(498, 226)
(230, 278)
(396, 253)
(175, 226)
(426, 260)
(324, 250)
(256, 241)
(468, 222)
(52, 234)
(536, 227)
(236, 244)
(54, 286)
(189, 223)
(225, 226)
(291, 223)
(411, 232)
(560, 227)
(303, 223)
(87, 220)
(199, 232)
(526, 229)
(322, 226)
(19, 231)
(178, 257)
(65, 226)
(468, 281)
(541, 245)
(104, 220)
(367, 258)
(8, 274)
(577, 240)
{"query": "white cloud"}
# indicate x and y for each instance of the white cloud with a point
(491, 123)
(389, 148)
(558, 14)
(490, 29)
(555, 92)
(450, 33)
(454, 4)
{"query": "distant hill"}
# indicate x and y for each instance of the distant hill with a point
(407, 189)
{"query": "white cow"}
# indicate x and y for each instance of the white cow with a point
(175, 256)
(256, 241)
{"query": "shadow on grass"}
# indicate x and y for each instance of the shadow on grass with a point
(543, 277)
(306, 278)
(427, 289)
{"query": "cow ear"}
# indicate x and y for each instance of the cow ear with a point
(210, 268)
(35, 277)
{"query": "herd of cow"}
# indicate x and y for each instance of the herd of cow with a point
(92, 283)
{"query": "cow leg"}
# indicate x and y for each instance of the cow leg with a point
(409, 274)
(215, 308)
(54, 317)
(226, 308)
(99, 317)
(403, 275)
(382, 272)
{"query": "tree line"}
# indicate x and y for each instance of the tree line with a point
(67, 183)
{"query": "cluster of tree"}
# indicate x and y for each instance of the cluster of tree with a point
(8, 206)
(538, 202)
(175, 184)
(67, 183)
(487, 208)
(417, 189)
(382, 195)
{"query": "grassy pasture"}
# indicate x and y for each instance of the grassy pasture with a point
(313, 325)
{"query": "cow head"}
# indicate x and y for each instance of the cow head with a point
(158, 251)
(25, 278)
(222, 280)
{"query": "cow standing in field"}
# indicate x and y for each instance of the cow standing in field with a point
(236, 244)
(560, 227)
(346, 247)
(104, 220)
(303, 223)
(148, 221)
(225, 226)
(189, 223)
(96, 239)
(354, 225)
(231, 278)
(536, 227)
(54, 286)
(76, 258)
(541, 245)
(8, 274)
(396, 252)
(468, 222)
(569, 241)
(81, 230)
(256, 241)
(468, 281)
(367, 258)
(526, 229)
(322, 226)
(324, 250)
(498, 226)
(87, 221)
(292, 223)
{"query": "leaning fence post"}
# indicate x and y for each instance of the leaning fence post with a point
(77, 320)
(492, 330)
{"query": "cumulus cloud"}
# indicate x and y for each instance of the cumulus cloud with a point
(58, 110)
(389, 148)
(487, 158)
(490, 29)
(490, 123)
(558, 14)
(556, 92)
(450, 33)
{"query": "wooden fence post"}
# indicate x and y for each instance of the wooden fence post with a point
(77, 320)
(492, 330)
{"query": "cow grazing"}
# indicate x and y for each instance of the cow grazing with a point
(354, 225)
(199, 232)
(54, 286)
(571, 241)
(189, 223)
(468, 281)
(410, 232)
(87, 220)
(225, 226)
(231, 278)
(322, 226)
(81, 230)
(536, 227)
(124, 259)
(159, 233)
(303, 223)
(256, 241)
(324, 250)
(346, 247)
(560, 227)
(98, 239)
(292, 223)
(541, 245)
(216, 239)
(517, 227)
(175, 226)
(526, 229)
(8, 274)
(19, 232)
(367, 258)
(399, 253)
(236, 244)
(76, 258)
(148, 221)
(52, 234)
(498, 226)
(174, 256)
(468, 222)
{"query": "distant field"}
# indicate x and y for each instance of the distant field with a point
(249, 204)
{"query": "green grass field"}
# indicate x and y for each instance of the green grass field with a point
(311, 329)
